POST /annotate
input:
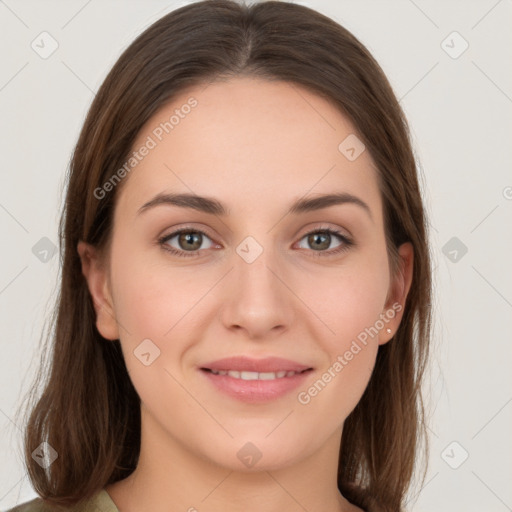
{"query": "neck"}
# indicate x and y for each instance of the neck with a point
(170, 477)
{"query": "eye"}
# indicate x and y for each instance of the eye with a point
(189, 242)
(320, 239)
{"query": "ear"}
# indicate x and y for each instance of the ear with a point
(96, 275)
(399, 289)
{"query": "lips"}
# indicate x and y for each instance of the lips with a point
(255, 380)
(242, 364)
(244, 375)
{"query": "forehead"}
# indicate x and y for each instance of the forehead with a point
(251, 143)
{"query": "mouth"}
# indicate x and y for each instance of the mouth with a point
(255, 380)
(264, 366)
(248, 375)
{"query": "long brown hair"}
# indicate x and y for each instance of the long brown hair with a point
(88, 410)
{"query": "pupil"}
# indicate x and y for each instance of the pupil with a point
(188, 238)
(322, 245)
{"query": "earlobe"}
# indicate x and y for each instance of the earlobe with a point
(96, 276)
(399, 289)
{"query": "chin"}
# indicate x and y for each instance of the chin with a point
(257, 453)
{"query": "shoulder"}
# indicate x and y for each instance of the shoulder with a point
(101, 501)
(35, 505)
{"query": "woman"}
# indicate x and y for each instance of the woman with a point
(244, 320)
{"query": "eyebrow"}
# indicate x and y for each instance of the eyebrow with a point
(215, 207)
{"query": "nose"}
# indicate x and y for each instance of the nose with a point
(257, 299)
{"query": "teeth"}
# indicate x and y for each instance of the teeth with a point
(255, 375)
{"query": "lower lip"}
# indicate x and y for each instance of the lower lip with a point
(256, 391)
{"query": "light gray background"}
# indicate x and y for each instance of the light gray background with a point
(460, 111)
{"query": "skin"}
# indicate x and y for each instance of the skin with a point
(256, 146)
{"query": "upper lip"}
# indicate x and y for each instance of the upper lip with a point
(244, 363)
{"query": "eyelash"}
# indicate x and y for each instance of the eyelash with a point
(345, 246)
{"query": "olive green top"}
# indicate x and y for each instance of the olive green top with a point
(101, 502)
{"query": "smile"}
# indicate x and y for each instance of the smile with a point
(245, 375)
(255, 387)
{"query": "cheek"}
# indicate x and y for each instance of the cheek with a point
(348, 300)
(143, 304)
(351, 311)
(149, 300)
(335, 391)
(152, 307)
(159, 304)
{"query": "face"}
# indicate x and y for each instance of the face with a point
(248, 278)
